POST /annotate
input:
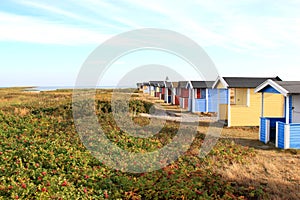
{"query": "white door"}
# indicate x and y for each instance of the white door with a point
(296, 109)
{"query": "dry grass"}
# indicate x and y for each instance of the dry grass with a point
(21, 111)
(277, 172)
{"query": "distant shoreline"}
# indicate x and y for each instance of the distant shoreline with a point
(53, 88)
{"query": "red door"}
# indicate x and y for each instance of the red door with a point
(198, 93)
(185, 103)
(184, 92)
(176, 100)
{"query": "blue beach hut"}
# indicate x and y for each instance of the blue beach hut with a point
(283, 131)
(202, 98)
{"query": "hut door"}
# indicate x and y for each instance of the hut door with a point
(267, 131)
(185, 102)
(296, 110)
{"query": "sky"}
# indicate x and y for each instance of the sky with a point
(46, 43)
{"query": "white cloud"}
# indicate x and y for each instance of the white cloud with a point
(67, 14)
(231, 25)
(227, 25)
(29, 29)
(182, 21)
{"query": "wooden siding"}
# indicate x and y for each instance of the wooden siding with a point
(152, 93)
(212, 100)
(184, 92)
(273, 105)
(270, 89)
(189, 104)
(185, 102)
(222, 96)
(262, 129)
(220, 85)
(281, 135)
(291, 109)
(267, 129)
(180, 102)
(223, 110)
(212, 106)
(177, 99)
(295, 136)
(200, 105)
(222, 100)
(145, 89)
(243, 115)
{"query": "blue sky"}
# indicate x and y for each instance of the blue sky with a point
(46, 42)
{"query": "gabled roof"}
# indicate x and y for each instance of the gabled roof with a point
(182, 84)
(157, 83)
(293, 87)
(168, 84)
(175, 84)
(146, 83)
(283, 87)
(243, 82)
(201, 84)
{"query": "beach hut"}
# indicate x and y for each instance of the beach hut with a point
(152, 88)
(168, 92)
(202, 98)
(139, 86)
(156, 88)
(174, 94)
(183, 94)
(238, 104)
(163, 90)
(146, 88)
(173, 91)
(284, 131)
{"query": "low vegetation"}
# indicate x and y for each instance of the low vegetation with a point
(42, 156)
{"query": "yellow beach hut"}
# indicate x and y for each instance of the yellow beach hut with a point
(240, 105)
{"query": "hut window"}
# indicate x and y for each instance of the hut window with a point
(197, 93)
(238, 96)
(200, 93)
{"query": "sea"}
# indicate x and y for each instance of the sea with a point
(52, 88)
